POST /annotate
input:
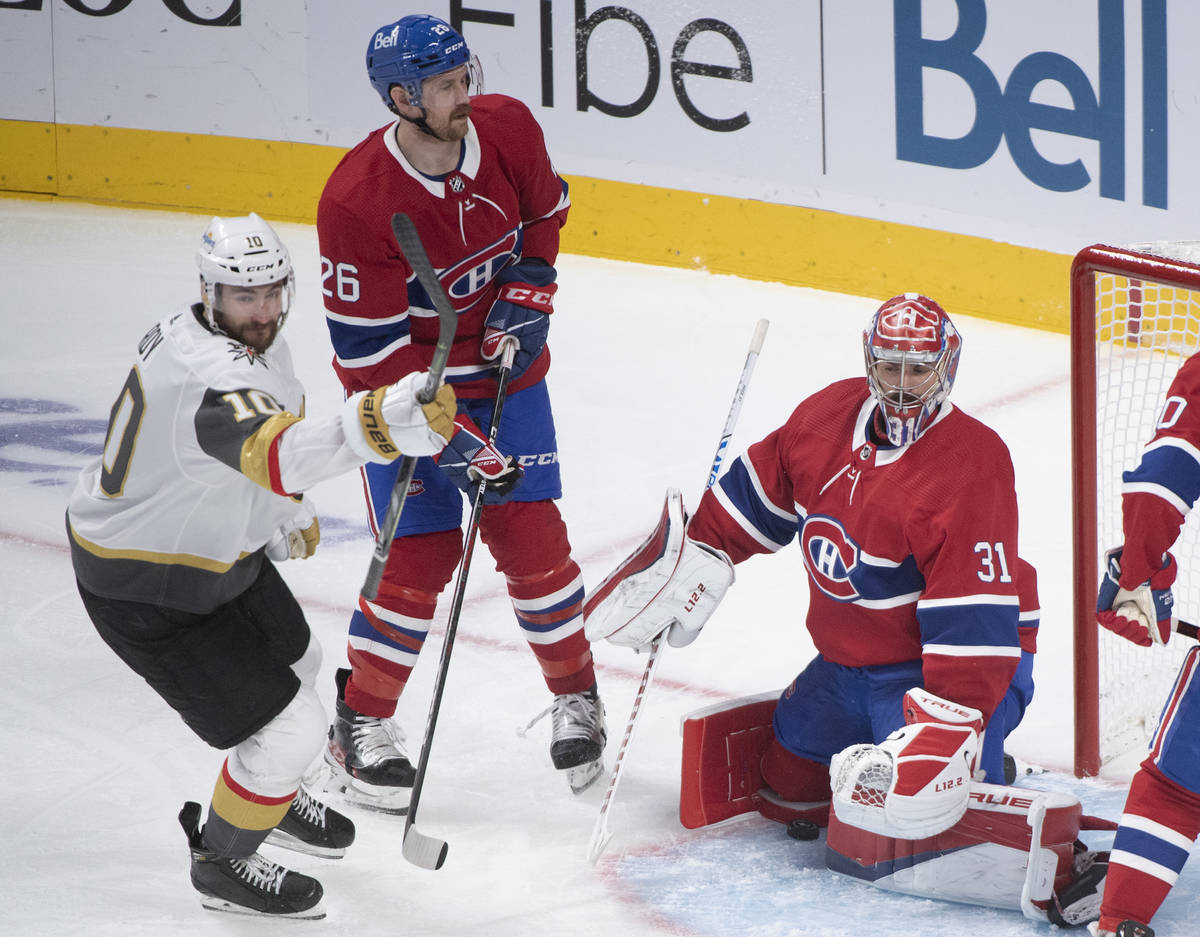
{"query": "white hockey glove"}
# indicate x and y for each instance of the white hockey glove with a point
(382, 424)
(669, 582)
(298, 538)
(917, 782)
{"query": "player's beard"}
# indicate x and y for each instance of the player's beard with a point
(455, 126)
(252, 335)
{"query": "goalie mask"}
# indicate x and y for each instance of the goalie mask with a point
(911, 349)
(243, 252)
(414, 48)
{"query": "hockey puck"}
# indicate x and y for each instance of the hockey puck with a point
(803, 829)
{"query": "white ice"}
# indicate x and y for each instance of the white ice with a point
(646, 359)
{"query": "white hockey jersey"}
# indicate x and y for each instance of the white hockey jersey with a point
(204, 459)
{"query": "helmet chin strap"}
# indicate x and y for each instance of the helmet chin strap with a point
(421, 125)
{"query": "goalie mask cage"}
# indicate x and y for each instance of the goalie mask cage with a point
(1135, 318)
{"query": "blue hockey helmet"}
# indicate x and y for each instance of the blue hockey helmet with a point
(412, 49)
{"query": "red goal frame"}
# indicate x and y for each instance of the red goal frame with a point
(1133, 265)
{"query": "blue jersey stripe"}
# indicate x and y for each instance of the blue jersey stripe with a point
(740, 489)
(1169, 467)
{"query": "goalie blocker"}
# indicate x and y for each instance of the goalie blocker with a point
(669, 582)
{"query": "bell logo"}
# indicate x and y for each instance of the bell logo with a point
(387, 40)
(1008, 112)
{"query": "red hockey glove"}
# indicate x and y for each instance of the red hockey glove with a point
(521, 311)
(469, 458)
(1143, 614)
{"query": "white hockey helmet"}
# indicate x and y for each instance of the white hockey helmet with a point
(242, 251)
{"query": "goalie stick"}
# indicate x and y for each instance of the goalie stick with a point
(600, 833)
(429, 852)
(414, 252)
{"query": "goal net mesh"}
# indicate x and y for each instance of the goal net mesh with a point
(1145, 329)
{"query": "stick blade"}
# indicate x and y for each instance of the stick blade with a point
(428, 852)
(600, 841)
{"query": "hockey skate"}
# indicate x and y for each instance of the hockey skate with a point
(253, 885)
(577, 736)
(364, 764)
(312, 828)
(1124, 929)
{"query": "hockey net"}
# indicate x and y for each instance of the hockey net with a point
(1135, 317)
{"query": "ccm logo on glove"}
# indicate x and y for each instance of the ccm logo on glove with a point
(522, 294)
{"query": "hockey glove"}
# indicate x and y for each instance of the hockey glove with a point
(917, 782)
(469, 458)
(1143, 614)
(522, 311)
(298, 538)
(381, 424)
(670, 582)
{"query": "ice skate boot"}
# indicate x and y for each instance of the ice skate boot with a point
(1124, 929)
(578, 733)
(365, 762)
(312, 828)
(253, 885)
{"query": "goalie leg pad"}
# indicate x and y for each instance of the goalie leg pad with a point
(1013, 848)
(669, 581)
(722, 751)
(726, 762)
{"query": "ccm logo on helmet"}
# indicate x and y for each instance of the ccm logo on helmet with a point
(830, 556)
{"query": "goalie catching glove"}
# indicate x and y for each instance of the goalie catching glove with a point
(1143, 614)
(669, 582)
(382, 424)
(916, 783)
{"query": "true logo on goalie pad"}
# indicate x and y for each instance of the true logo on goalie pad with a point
(1008, 851)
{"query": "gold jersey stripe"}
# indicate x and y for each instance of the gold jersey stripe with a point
(256, 451)
(150, 556)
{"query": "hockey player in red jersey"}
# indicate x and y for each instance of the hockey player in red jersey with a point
(906, 515)
(473, 173)
(1162, 810)
(174, 530)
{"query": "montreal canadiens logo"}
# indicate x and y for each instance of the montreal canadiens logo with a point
(466, 278)
(830, 555)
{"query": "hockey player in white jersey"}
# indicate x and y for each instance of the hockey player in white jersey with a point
(174, 530)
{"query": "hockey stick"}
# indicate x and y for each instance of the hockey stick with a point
(1187, 628)
(429, 852)
(601, 834)
(414, 253)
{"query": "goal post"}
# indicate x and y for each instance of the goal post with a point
(1135, 317)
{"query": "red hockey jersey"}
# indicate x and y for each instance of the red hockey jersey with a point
(911, 553)
(504, 202)
(1159, 493)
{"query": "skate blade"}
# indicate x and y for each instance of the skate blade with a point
(315, 913)
(282, 840)
(350, 792)
(584, 776)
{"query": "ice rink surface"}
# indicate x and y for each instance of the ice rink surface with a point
(645, 363)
